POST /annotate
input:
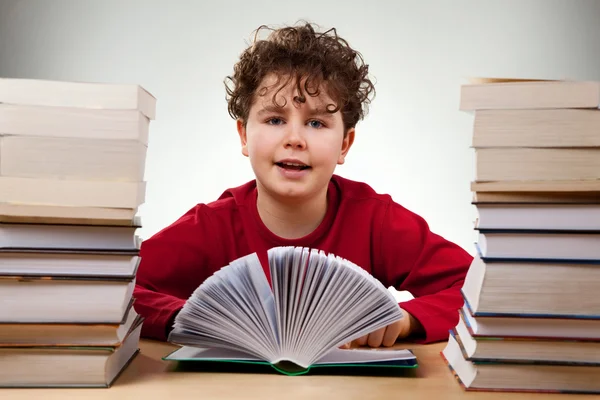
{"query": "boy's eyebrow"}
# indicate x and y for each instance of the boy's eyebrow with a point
(269, 109)
(320, 111)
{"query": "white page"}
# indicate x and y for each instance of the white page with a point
(337, 305)
(209, 327)
(291, 272)
(265, 298)
(277, 257)
(346, 319)
(345, 304)
(199, 340)
(218, 315)
(317, 303)
(198, 353)
(350, 356)
(306, 283)
(251, 295)
(297, 286)
(314, 272)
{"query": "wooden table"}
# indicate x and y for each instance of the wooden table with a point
(148, 378)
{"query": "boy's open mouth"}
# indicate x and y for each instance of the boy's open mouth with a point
(292, 166)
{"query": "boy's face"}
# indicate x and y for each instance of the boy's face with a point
(293, 150)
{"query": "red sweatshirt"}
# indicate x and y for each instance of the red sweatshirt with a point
(369, 229)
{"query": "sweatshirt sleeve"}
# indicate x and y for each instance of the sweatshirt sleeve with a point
(430, 267)
(173, 264)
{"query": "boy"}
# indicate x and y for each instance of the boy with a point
(297, 97)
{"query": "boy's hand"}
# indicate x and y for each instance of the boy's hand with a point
(388, 335)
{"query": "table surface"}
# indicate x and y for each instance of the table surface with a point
(149, 377)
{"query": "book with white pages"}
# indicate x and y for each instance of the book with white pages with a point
(96, 160)
(534, 288)
(88, 334)
(519, 376)
(69, 262)
(68, 367)
(61, 215)
(526, 326)
(295, 321)
(66, 236)
(71, 122)
(68, 299)
(71, 193)
(86, 95)
(527, 349)
(509, 94)
(559, 127)
(532, 198)
(566, 217)
(529, 244)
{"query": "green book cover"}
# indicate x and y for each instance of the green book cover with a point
(337, 360)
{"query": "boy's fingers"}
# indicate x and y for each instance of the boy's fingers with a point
(375, 338)
(391, 334)
(362, 341)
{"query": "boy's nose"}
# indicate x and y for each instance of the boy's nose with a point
(294, 137)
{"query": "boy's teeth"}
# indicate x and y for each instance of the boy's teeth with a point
(292, 166)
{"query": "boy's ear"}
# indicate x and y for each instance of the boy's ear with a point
(241, 128)
(346, 144)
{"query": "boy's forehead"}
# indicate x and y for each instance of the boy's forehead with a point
(285, 90)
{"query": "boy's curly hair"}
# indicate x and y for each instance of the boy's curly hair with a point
(304, 55)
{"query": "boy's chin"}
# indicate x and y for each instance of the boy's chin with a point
(294, 191)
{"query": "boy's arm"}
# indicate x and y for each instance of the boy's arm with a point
(159, 309)
(174, 262)
(428, 266)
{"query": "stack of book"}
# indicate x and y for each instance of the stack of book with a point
(72, 161)
(531, 315)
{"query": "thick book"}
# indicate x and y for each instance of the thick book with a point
(64, 299)
(557, 288)
(526, 349)
(538, 186)
(68, 367)
(37, 213)
(39, 157)
(67, 236)
(69, 262)
(541, 216)
(537, 164)
(533, 198)
(519, 376)
(529, 326)
(562, 128)
(71, 122)
(71, 193)
(88, 334)
(496, 94)
(85, 95)
(312, 304)
(522, 244)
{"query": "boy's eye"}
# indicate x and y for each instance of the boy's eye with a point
(315, 124)
(274, 121)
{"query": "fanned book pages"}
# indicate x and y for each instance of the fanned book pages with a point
(315, 303)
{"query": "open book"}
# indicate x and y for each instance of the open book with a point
(315, 303)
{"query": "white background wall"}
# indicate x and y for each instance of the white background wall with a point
(414, 143)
